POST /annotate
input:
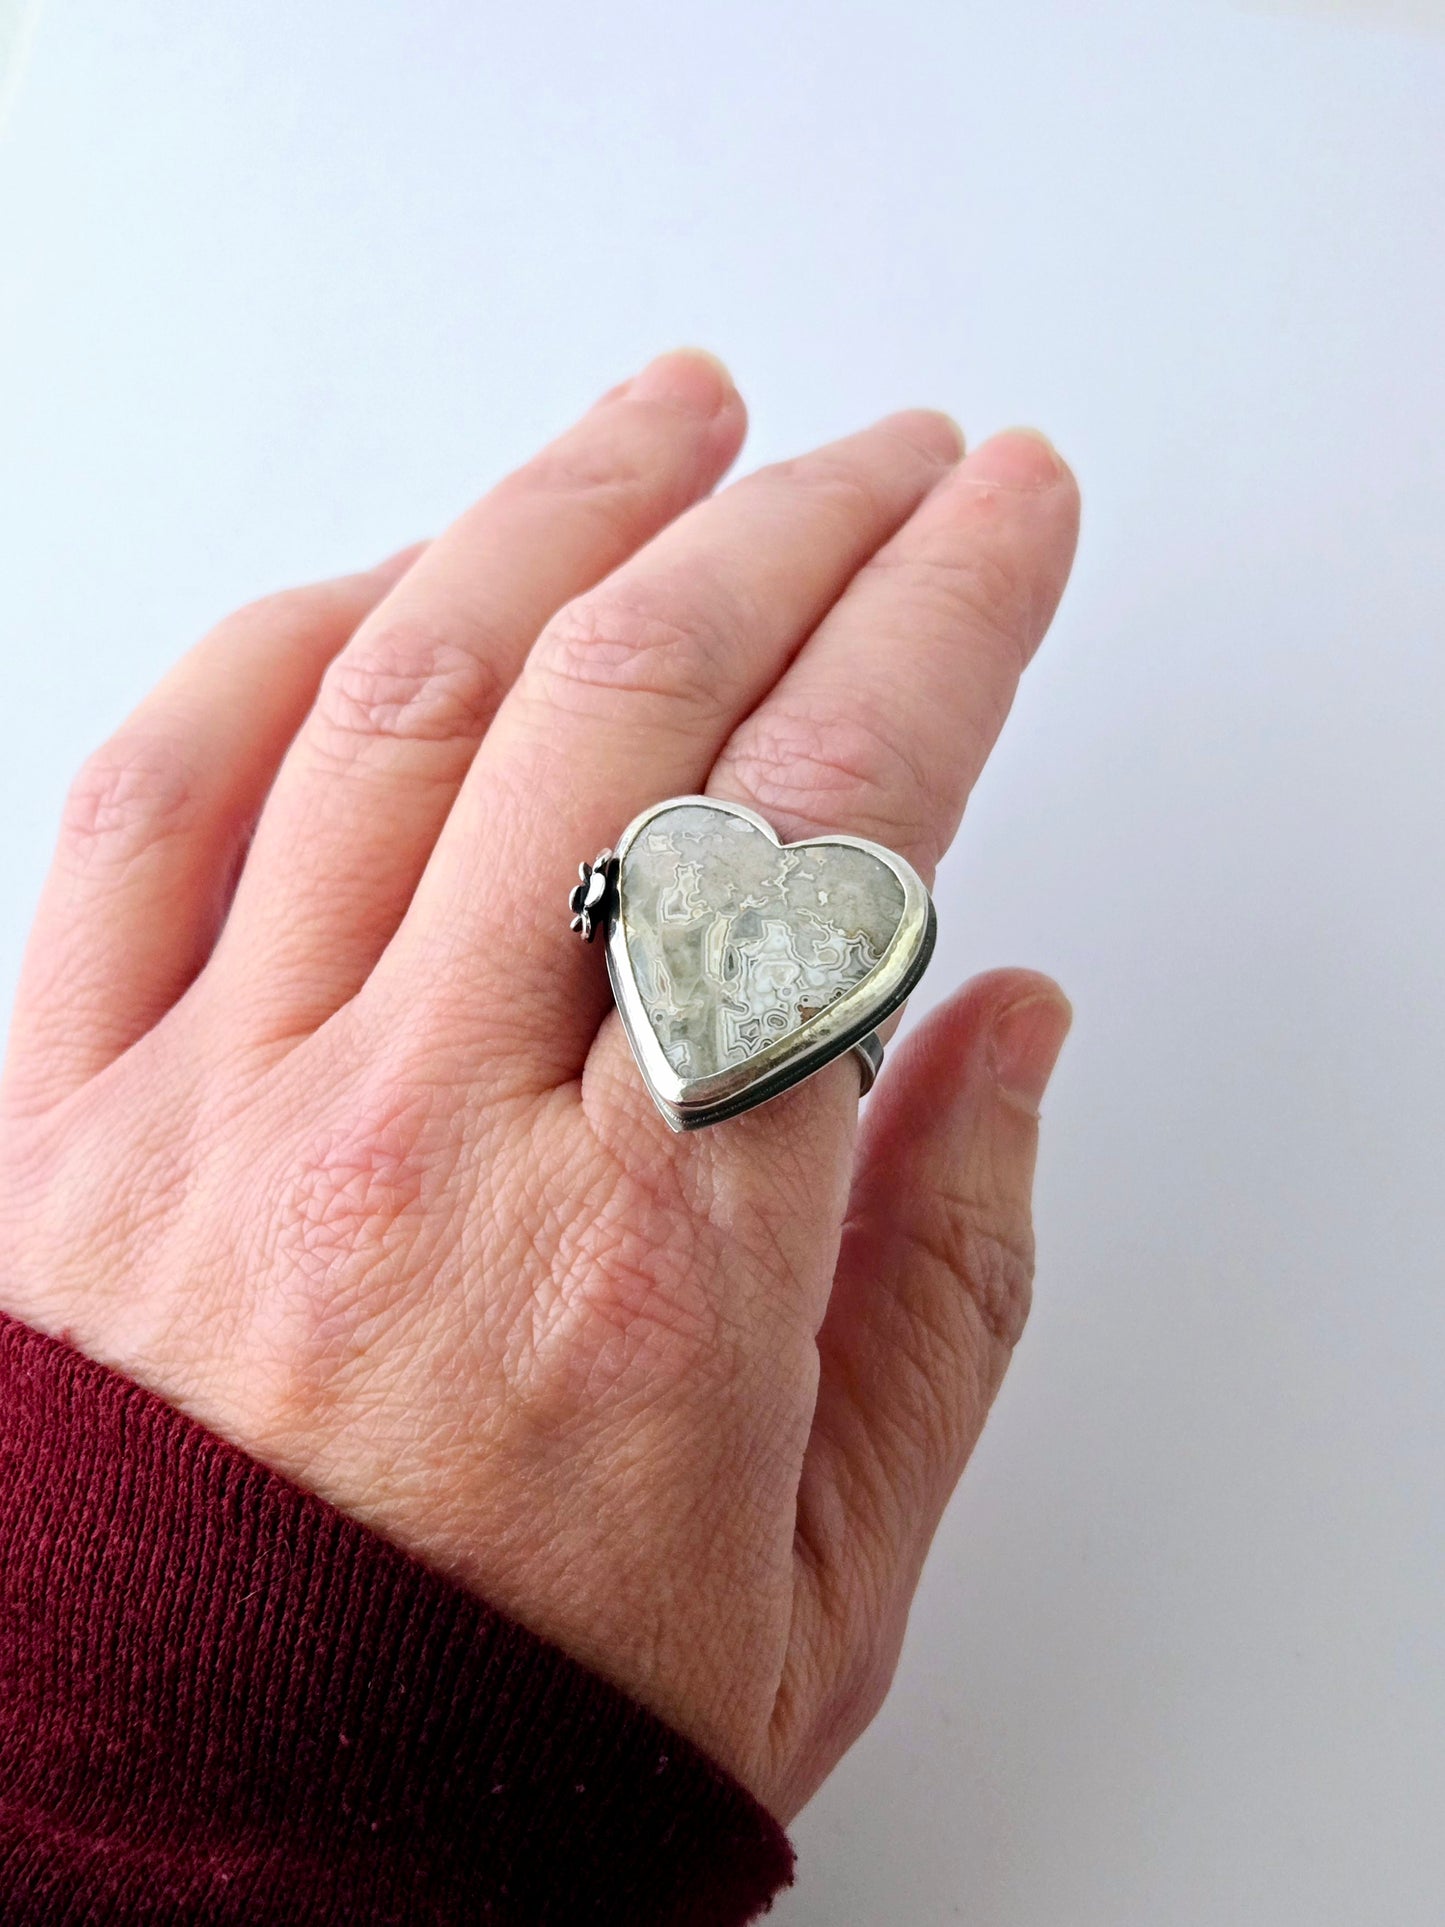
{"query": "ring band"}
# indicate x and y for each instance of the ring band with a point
(869, 1053)
(741, 964)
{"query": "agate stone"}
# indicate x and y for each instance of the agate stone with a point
(735, 941)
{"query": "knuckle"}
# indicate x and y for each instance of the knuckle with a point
(360, 1214)
(360, 1191)
(404, 682)
(823, 770)
(626, 471)
(616, 640)
(951, 587)
(633, 1293)
(993, 1263)
(135, 792)
(649, 1301)
(611, 480)
(998, 601)
(833, 485)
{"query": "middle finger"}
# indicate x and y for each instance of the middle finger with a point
(626, 699)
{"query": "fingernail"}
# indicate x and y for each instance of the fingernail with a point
(1025, 1044)
(1017, 458)
(687, 378)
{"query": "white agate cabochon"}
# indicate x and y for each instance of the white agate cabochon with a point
(736, 941)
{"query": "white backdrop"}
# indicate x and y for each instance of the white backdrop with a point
(283, 283)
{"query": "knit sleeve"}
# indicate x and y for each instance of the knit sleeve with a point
(223, 1701)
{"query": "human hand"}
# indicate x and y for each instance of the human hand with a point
(317, 1121)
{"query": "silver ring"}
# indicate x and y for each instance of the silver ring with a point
(741, 964)
(869, 1053)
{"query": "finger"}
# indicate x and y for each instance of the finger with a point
(930, 1296)
(882, 725)
(883, 722)
(626, 699)
(154, 828)
(367, 786)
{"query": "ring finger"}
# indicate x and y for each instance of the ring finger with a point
(883, 722)
(882, 725)
(628, 697)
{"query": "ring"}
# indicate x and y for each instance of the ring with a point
(741, 964)
(869, 1053)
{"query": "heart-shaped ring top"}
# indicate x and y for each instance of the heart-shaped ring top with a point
(740, 964)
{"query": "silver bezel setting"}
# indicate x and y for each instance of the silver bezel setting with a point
(687, 1106)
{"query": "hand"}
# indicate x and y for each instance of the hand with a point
(319, 1123)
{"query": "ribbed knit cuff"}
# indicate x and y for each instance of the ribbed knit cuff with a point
(223, 1701)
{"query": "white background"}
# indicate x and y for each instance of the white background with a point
(283, 283)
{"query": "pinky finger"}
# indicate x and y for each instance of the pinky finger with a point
(930, 1295)
(154, 830)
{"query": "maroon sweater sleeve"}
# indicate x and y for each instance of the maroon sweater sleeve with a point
(223, 1701)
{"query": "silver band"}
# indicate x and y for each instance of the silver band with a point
(869, 1054)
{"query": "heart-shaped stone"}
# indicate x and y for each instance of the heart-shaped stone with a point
(741, 964)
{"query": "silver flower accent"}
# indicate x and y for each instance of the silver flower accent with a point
(589, 897)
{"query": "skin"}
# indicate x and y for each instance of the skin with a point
(317, 1122)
